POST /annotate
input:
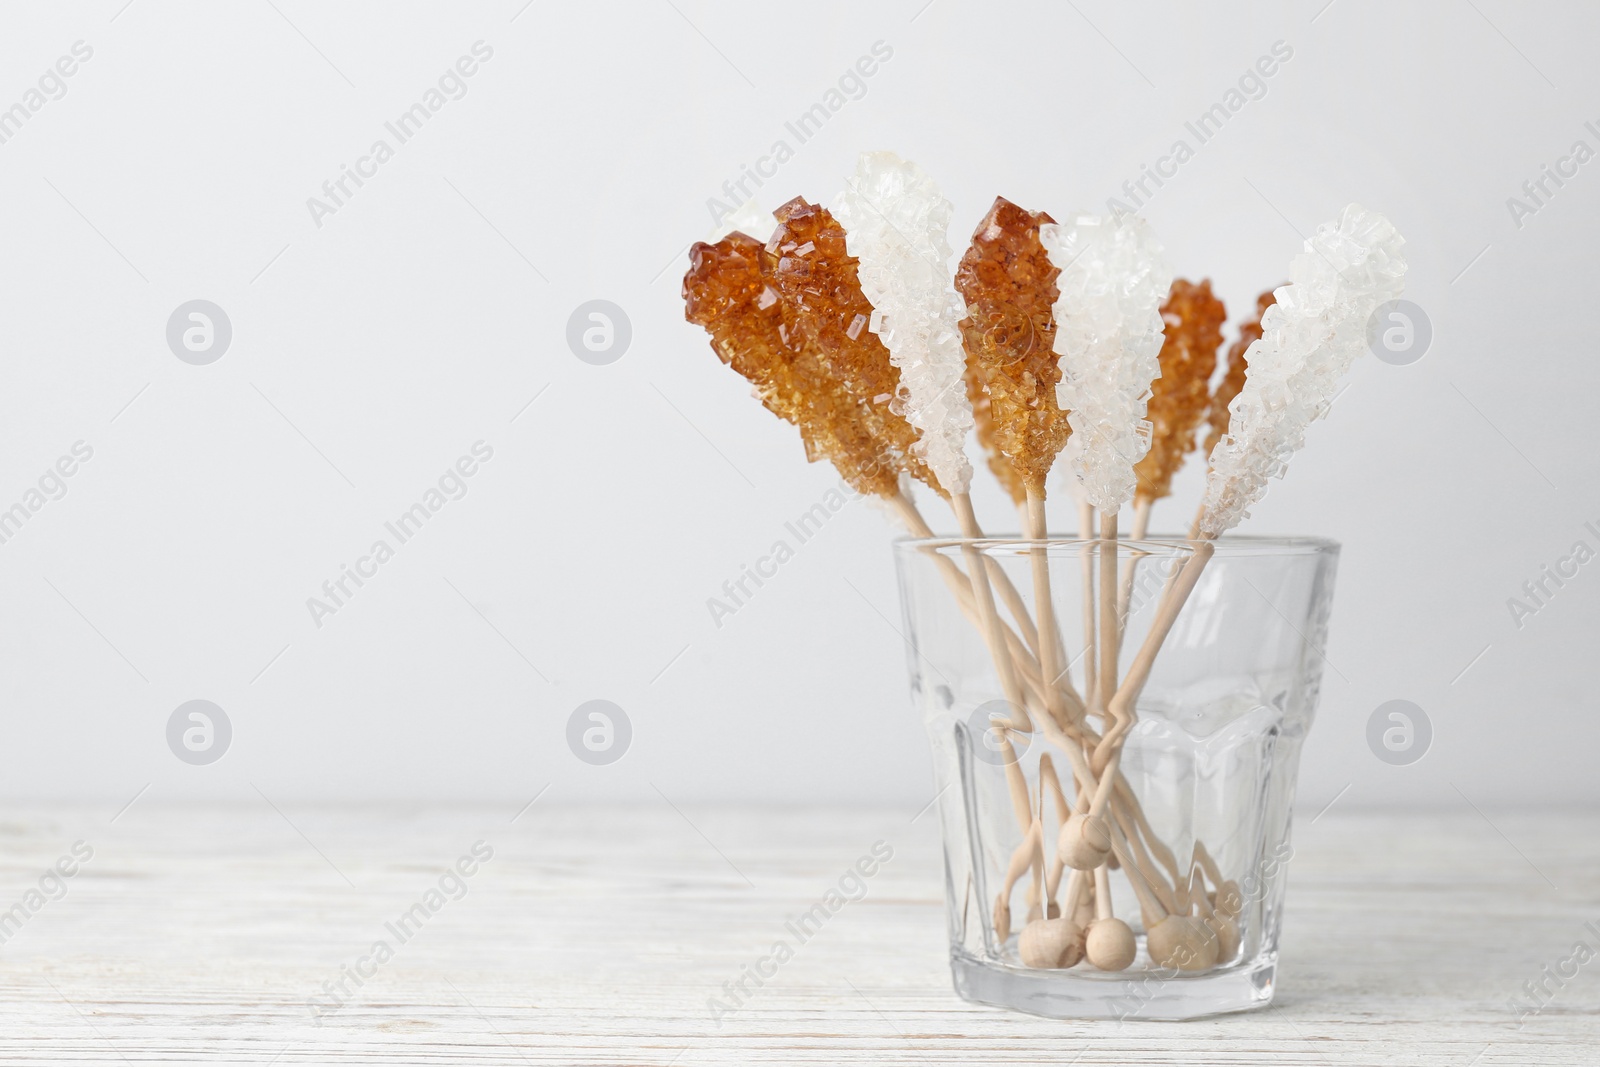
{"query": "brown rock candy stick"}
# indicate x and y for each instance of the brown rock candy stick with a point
(983, 424)
(817, 282)
(1181, 396)
(1008, 283)
(824, 308)
(1179, 400)
(732, 289)
(727, 291)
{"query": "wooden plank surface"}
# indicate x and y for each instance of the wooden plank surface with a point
(598, 936)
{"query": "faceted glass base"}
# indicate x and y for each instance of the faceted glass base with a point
(1148, 994)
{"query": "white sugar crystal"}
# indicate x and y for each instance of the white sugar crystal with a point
(1310, 337)
(748, 219)
(1108, 334)
(897, 224)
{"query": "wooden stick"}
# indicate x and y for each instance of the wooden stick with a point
(1148, 901)
(1047, 772)
(1108, 606)
(1086, 534)
(966, 592)
(1130, 856)
(1146, 865)
(1124, 792)
(1043, 603)
(1013, 600)
(1141, 527)
(1210, 865)
(1121, 704)
(1141, 517)
(987, 615)
(1102, 893)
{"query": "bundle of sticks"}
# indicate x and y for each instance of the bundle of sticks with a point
(850, 325)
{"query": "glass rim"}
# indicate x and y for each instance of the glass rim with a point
(1226, 546)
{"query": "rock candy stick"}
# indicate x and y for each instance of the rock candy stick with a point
(818, 281)
(823, 308)
(727, 290)
(1180, 397)
(1009, 285)
(897, 225)
(1109, 334)
(1310, 337)
(983, 426)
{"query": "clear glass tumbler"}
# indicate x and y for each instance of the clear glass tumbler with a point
(1190, 833)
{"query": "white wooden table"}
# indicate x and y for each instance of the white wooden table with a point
(598, 935)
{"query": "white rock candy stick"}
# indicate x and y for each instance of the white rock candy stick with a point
(897, 224)
(1310, 337)
(1113, 280)
(1108, 334)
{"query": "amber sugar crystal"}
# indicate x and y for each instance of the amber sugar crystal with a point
(983, 426)
(771, 311)
(1181, 397)
(825, 310)
(1009, 285)
(1233, 378)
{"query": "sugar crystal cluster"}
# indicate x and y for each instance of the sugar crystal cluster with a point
(1310, 337)
(1009, 285)
(815, 279)
(897, 227)
(731, 290)
(1233, 378)
(1113, 280)
(1180, 396)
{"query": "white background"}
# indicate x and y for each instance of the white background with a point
(372, 351)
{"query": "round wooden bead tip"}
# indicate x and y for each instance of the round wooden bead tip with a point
(1227, 899)
(1085, 843)
(1050, 943)
(1002, 919)
(1110, 945)
(1055, 910)
(1183, 942)
(1227, 932)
